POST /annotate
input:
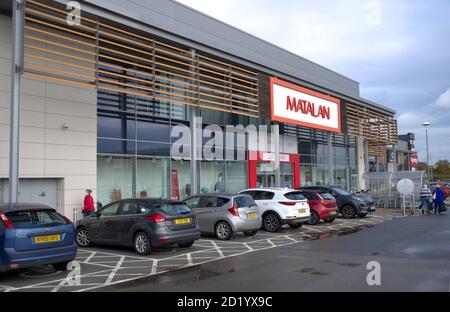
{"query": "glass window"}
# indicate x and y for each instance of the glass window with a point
(209, 201)
(326, 196)
(180, 179)
(153, 149)
(152, 177)
(113, 146)
(115, 178)
(110, 210)
(119, 126)
(129, 208)
(32, 219)
(244, 201)
(294, 196)
(193, 202)
(149, 130)
(237, 176)
(211, 176)
(173, 209)
(262, 195)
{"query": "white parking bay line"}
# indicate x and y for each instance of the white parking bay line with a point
(114, 271)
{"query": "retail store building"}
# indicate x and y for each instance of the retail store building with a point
(100, 100)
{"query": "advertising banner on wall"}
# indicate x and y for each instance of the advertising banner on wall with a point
(297, 105)
(414, 161)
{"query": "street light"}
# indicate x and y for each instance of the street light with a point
(426, 124)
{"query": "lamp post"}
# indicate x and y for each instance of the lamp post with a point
(426, 124)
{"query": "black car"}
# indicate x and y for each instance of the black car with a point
(349, 205)
(141, 223)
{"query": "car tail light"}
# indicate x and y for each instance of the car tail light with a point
(6, 221)
(157, 217)
(287, 203)
(234, 210)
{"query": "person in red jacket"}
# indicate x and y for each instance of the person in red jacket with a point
(88, 207)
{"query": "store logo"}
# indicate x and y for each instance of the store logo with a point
(297, 105)
(74, 16)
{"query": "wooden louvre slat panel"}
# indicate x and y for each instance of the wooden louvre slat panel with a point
(110, 57)
(378, 128)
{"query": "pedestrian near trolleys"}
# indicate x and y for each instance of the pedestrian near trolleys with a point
(425, 199)
(438, 199)
(88, 207)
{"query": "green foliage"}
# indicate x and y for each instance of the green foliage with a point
(441, 170)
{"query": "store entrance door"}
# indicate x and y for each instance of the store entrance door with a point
(262, 170)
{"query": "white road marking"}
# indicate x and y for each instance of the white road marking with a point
(111, 275)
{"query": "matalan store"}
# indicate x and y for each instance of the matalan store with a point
(101, 97)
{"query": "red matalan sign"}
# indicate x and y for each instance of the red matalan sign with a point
(300, 106)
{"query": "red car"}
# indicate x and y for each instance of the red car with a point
(322, 206)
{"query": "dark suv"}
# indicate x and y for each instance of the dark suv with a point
(349, 205)
(141, 223)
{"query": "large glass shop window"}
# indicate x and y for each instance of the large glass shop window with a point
(114, 178)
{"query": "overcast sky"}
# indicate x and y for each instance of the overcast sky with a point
(399, 50)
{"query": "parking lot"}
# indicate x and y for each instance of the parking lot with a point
(98, 267)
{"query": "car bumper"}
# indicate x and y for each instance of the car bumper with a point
(178, 237)
(329, 214)
(13, 259)
(296, 220)
(367, 209)
(240, 225)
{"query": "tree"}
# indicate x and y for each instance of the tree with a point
(441, 170)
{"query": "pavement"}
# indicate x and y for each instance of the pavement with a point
(107, 268)
(413, 254)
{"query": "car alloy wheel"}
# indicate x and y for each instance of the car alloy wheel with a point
(272, 223)
(348, 212)
(83, 238)
(142, 244)
(314, 219)
(223, 231)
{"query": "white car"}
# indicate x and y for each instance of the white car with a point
(279, 206)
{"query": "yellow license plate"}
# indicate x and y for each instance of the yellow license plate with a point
(183, 221)
(333, 213)
(252, 215)
(302, 210)
(47, 239)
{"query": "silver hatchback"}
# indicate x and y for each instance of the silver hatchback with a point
(225, 214)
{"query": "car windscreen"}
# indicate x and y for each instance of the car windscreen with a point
(340, 191)
(295, 196)
(326, 196)
(35, 219)
(173, 209)
(244, 201)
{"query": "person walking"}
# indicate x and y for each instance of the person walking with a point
(438, 199)
(425, 199)
(88, 207)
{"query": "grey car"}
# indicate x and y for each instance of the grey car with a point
(225, 214)
(141, 223)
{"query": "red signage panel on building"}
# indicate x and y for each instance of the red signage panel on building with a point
(304, 107)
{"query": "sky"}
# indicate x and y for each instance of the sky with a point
(398, 50)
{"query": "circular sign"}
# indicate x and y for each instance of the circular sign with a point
(405, 186)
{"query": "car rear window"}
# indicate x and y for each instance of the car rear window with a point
(244, 201)
(35, 219)
(326, 196)
(173, 209)
(294, 196)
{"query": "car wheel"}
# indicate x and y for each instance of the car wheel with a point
(142, 244)
(61, 266)
(314, 219)
(362, 215)
(250, 233)
(348, 212)
(296, 225)
(271, 223)
(82, 237)
(186, 245)
(223, 231)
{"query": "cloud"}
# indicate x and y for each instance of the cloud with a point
(444, 99)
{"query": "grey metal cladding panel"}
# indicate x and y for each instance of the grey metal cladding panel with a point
(188, 23)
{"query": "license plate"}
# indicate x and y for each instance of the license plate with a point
(333, 213)
(183, 221)
(252, 215)
(302, 210)
(47, 239)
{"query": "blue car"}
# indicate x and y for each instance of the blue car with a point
(33, 235)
